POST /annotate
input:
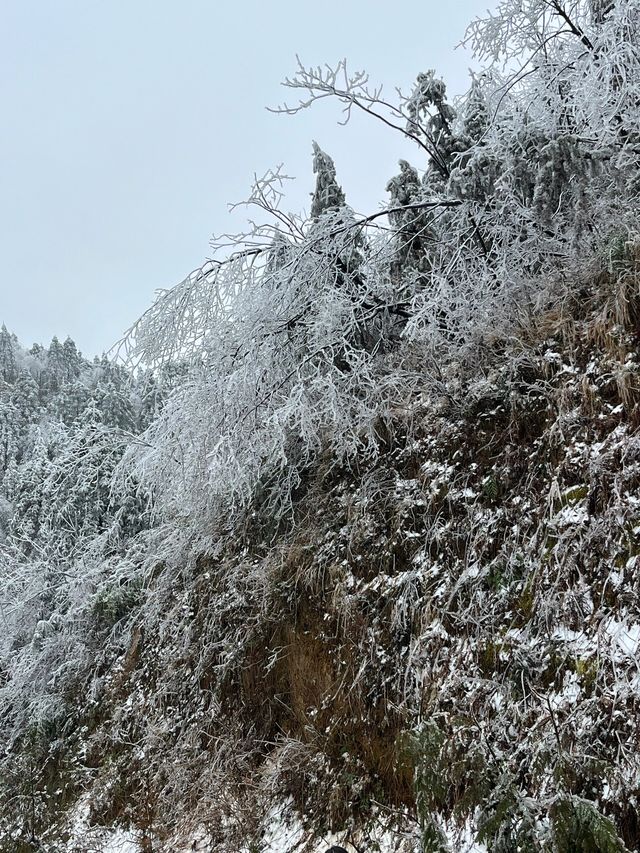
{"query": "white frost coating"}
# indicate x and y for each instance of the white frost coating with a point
(87, 839)
(304, 338)
(120, 842)
(626, 636)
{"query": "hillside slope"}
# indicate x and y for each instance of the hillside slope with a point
(353, 555)
(445, 636)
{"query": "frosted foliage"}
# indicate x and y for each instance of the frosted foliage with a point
(7, 356)
(600, 9)
(328, 194)
(404, 188)
(295, 338)
(430, 92)
(281, 368)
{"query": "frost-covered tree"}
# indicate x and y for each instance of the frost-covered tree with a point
(328, 193)
(147, 399)
(72, 360)
(432, 117)
(412, 222)
(600, 9)
(8, 360)
(9, 431)
(24, 395)
(518, 180)
(55, 370)
(31, 494)
(285, 335)
(71, 401)
(79, 482)
(332, 221)
(115, 406)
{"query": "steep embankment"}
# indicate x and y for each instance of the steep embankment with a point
(371, 560)
(446, 636)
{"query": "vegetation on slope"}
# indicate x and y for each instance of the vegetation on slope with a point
(445, 635)
(385, 571)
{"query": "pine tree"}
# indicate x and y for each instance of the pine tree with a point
(432, 118)
(25, 397)
(71, 360)
(115, 406)
(9, 431)
(333, 236)
(31, 497)
(8, 351)
(328, 195)
(55, 366)
(71, 401)
(475, 118)
(412, 226)
(148, 399)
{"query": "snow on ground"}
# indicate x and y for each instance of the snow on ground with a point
(87, 839)
(281, 836)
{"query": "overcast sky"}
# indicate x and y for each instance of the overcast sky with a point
(129, 125)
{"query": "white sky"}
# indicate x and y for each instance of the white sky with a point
(128, 125)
